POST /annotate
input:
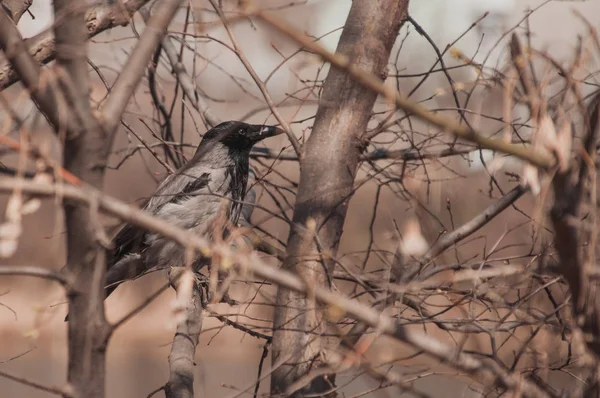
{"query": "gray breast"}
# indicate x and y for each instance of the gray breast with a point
(196, 212)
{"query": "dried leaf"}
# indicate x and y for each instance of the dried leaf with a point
(9, 238)
(13, 207)
(311, 224)
(31, 206)
(10, 230)
(455, 53)
(335, 313)
(226, 262)
(564, 146)
(42, 178)
(8, 248)
(547, 139)
(531, 179)
(413, 243)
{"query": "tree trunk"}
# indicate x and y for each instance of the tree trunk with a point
(328, 169)
(85, 155)
(183, 349)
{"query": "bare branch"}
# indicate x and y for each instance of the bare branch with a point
(71, 59)
(89, 196)
(136, 65)
(184, 79)
(379, 154)
(37, 386)
(181, 358)
(474, 224)
(374, 83)
(37, 272)
(261, 85)
(487, 372)
(41, 86)
(99, 18)
(16, 8)
(85, 149)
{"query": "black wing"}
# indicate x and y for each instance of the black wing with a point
(190, 187)
(129, 240)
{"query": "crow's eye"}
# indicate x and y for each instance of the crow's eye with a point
(242, 132)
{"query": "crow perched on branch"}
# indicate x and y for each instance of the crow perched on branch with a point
(211, 185)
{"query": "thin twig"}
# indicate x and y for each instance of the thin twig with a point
(263, 88)
(374, 83)
(37, 272)
(38, 386)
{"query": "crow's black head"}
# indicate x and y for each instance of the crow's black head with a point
(238, 135)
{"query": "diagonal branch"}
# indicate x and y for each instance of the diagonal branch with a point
(36, 272)
(474, 224)
(49, 389)
(136, 65)
(184, 79)
(261, 85)
(99, 18)
(487, 372)
(16, 8)
(41, 86)
(375, 84)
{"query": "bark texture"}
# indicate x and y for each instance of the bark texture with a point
(183, 349)
(328, 169)
(85, 153)
(16, 8)
(42, 47)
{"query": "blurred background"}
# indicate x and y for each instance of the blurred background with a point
(32, 310)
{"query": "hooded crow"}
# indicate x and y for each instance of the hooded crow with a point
(211, 185)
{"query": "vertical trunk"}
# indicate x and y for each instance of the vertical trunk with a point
(85, 154)
(328, 169)
(88, 328)
(183, 349)
(87, 142)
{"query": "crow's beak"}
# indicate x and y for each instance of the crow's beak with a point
(263, 132)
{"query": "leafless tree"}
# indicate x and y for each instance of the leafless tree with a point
(497, 289)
